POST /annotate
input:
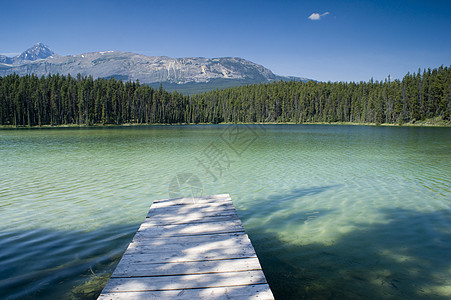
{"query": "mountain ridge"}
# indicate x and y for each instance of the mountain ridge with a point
(173, 73)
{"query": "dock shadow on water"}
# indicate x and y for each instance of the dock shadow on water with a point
(298, 193)
(42, 263)
(408, 256)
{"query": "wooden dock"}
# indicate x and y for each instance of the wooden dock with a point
(189, 248)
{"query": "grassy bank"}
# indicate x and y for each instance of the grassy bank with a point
(434, 122)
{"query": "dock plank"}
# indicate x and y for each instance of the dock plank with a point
(193, 203)
(193, 218)
(158, 241)
(151, 230)
(191, 243)
(189, 267)
(186, 208)
(180, 282)
(189, 248)
(260, 291)
(181, 256)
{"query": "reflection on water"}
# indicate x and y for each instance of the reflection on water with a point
(333, 211)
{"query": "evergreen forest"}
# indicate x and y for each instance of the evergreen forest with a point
(66, 100)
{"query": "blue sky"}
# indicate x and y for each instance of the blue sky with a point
(351, 40)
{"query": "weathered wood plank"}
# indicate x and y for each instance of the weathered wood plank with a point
(260, 291)
(189, 200)
(191, 248)
(189, 242)
(179, 282)
(156, 241)
(191, 218)
(189, 267)
(181, 256)
(193, 206)
(180, 212)
(209, 210)
(176, 213)
(189, 229)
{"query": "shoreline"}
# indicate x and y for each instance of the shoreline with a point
(433, 122)
(426, 123)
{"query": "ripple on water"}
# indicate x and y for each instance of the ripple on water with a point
(333, 211)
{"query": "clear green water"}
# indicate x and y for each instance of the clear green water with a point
(333, 211)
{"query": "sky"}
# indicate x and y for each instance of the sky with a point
(322, 40)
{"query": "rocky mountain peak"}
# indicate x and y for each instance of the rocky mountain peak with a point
(38, 51)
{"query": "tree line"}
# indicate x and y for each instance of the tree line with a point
(65, 100)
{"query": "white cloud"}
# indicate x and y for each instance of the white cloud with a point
(10, 53)
(317, 16)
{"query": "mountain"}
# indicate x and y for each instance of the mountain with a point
(188, 75)
(5, 60)
(38, 51)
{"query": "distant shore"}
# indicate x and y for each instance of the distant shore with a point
(425, 123)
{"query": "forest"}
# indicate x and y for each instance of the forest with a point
(66, 100)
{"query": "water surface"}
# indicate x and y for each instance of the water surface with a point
(332, 211)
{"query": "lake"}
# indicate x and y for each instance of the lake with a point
(337, 212)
